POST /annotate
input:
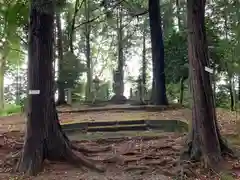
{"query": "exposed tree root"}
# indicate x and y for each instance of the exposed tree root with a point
(11, 159)
(56, 147)
(76, 159)
(118, 159)
(31, 163)
(80, 160)
(134, 168)
(161, 162)
(193, 152)
(226, 150)
(84, 150)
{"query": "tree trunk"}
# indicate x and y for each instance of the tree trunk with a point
(2, 66)
(181, 90)
(159, 89)
(144, 64)
(178, 6)
(61, 93)
(88, 54)
(231, 98)
(120, 53)
(55, 56)
(181, 15)
(226, 28)
(152, 97)
(214, 81)
(167, 18)
(239, 88)
(205, 139)
(231, 91)
(44, 137)
(18, 88)
(119, 97)
(71, 32)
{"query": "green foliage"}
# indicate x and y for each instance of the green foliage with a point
(226, 176)
(223, 22)
(222, 53)
(223, 42)
(16, 90)
(222, 97)
(13, 16)
(172, 92)
(10, 109)
(72, 69)
(176, 64)
(16, 13)
(167, 9)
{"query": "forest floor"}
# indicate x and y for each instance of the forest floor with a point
(137, 156)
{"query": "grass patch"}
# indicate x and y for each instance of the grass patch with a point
(234, 139)
(226, 176)
(10, 109)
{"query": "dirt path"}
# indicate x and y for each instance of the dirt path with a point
(16, 122)
(130, 158)
(226, 118)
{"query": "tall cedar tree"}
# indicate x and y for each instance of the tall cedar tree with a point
(61, 92)
(205, 139)
(158, 86)
(44, 137)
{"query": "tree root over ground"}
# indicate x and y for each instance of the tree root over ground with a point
(135, 156)
(56, 147)
(85, 150)
(73, 157)
(193, 153)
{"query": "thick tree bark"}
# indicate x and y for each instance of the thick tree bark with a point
(159, 89)
(61, 93)
(44, 137)
(205, 140)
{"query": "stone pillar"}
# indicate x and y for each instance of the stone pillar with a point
(96, 86)
(118, 97)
